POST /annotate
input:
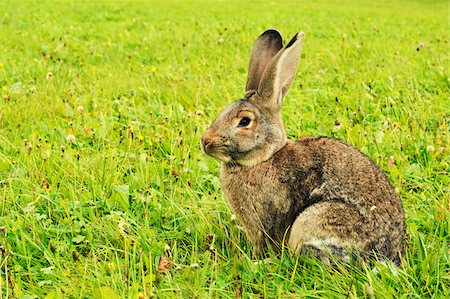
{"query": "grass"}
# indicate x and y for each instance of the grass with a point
(136, 83)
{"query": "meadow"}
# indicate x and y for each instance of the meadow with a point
(105, 193)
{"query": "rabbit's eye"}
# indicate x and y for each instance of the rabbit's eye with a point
(245, 121)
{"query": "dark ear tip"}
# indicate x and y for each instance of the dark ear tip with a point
(272, 34)
(298, 36)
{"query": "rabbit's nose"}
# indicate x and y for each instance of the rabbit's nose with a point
(206, 141)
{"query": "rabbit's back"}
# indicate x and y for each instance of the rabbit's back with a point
(352, 179)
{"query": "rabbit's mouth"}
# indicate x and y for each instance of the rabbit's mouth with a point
(226, 151)
(219, 153)
(215, 147)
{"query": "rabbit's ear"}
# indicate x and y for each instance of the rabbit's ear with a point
(279, 74)
(265, 48)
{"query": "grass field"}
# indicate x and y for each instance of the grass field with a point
(101, 174)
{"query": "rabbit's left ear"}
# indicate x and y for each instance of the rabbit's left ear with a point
(265, 48)
(279, 74)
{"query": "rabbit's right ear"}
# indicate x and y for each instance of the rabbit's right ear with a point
(265, 48)
(279, 74)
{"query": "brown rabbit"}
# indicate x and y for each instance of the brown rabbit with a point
(317, 194)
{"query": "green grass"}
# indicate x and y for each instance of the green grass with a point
(93, 217)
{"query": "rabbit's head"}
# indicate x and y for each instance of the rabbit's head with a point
(250, 131)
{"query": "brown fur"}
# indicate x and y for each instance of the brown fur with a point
(307, 172)
(318, 194)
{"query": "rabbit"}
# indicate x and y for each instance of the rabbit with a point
(317, 195)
